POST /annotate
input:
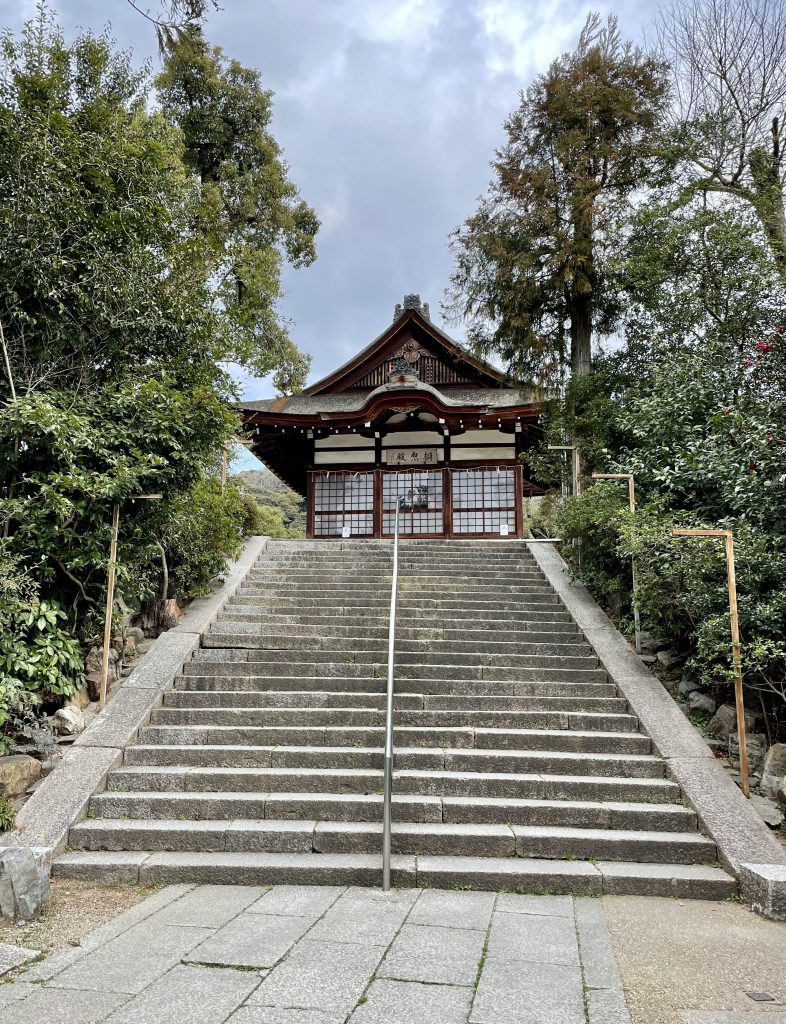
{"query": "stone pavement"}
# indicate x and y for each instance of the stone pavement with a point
(330, 955)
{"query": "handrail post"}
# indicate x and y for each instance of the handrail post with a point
(387, 802)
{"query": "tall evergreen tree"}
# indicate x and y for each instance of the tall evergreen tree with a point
(251, 218)
(532, 272)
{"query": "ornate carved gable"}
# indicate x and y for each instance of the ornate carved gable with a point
(431, 356)
(424, 365)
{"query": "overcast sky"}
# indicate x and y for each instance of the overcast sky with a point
(389, 112)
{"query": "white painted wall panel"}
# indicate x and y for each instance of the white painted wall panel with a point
(336, 458)
(490, 455)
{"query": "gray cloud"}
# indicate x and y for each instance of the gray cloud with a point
(389, 112)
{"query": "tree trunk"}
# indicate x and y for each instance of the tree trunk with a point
(159, 616)
(581, 335)
(581, 292)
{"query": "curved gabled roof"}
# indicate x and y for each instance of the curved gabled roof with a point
(411, 322)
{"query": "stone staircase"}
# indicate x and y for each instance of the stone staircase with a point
(517, 764)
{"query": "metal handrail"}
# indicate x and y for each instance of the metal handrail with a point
(387, 800)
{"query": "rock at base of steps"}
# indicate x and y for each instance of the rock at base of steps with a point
(24, 885)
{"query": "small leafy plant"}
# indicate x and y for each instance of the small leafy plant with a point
(7, 815)
(37, 652)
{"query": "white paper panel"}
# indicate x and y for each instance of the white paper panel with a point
(483, 437)
(344, 441)
(336, 458)
(490, 455)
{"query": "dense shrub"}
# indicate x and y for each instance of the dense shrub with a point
(205, 528)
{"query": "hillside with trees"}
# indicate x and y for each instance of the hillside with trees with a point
(282, 511)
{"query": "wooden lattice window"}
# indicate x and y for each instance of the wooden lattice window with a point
(484, 500)
(343, 499)
(422, 508)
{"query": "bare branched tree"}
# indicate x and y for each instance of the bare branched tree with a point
(174, 17)
(729, 63)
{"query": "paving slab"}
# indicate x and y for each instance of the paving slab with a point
(606, 1006)
(194, 995)
(597, 955)
(534, 939)
(320, 976)
(159, 962)
(396, 1002)
(134, 959)
(549, 906)
(513, 992)
(209, 906)
(362, 892)
(285, 1015)
(297, 900)
(453, 909)
(59, 961)
(250, 940)
(49, 1004)
(12, 957)
(359, 920)
(446, 956)
(13, 993)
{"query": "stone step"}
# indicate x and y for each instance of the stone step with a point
(651, 816)
(539, 718)
(329, 613)
(362, 738)
(384, 556)
(236, 753)
(521, 874)
(367, 573)
(517, 633)
(423, 652)
(548, 786)
(292, 699)
(358, 701)
(377, 684)
(420, 838)
(306, 718)
(598, 763)
(450, 585)
(545, 607)
(278, 663)
(517, 764)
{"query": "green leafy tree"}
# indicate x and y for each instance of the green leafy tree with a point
(250, 218)
(533, 273)
(115, 325)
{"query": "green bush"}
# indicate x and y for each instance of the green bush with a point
(39, 654)
(251, 522)
(205, 529)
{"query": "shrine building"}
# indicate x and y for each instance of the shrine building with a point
(412, 416)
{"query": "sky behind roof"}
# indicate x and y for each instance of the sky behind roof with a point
(389, 112)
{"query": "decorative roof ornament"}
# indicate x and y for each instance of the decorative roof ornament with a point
(403, 372)
(411, 302)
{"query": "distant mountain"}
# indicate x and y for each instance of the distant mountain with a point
(269, 490)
